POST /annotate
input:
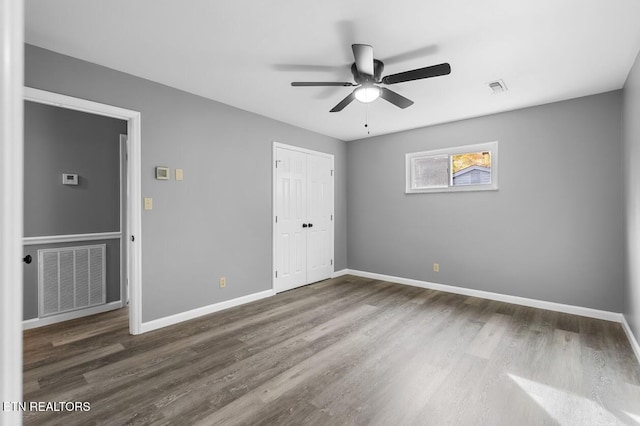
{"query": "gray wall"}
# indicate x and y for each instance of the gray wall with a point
(59, 140)
(554, 230)
(632, 179)
(56, 141)
(217, 222)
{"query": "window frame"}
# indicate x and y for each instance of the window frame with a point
(410, 158)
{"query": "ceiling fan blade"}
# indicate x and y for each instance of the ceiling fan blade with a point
(307, 68)
(395, 98)
(319, 83)
(419, 53)
(417, 74)
(343, 103)
(363, 53)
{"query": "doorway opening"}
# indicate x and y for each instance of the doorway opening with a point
(129, 216)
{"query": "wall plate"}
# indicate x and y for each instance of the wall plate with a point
(69, 178)
(162, 173)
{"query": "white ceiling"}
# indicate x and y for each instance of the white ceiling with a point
(245, 53)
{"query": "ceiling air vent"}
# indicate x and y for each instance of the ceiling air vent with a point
(497, 86)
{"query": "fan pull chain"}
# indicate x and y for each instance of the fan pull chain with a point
(366, 118)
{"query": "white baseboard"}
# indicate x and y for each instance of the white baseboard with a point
(631, 337)
(340, 273)
(516, 300)
(205, 310)
(41, 322)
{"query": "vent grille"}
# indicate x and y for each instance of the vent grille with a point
(497, 86)
(71, 278)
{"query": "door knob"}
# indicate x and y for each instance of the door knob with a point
(27, 259)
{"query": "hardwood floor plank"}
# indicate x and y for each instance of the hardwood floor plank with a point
(348, 350)
(489, 337)
(272, 362)
(366, 401)
(365, 376)
(332, 358)
(45, 370)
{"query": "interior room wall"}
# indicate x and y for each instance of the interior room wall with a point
(60, 140)
(217, 221)
(56, 141)
(632, 179)
(554, 230)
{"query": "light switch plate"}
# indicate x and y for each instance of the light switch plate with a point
(148, 203)
(179, 174)
(69, 178)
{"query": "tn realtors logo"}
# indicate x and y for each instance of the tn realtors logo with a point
(46, 406)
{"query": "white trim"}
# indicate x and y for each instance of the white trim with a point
(632, 339)
(77, 104)
(41, 322)
(274, 189)
(516, 300)
(205, 310)
(134, 223)
(71, 238)
(134, 179)
(11, 207)
(124, 258)
(340, 273)
(298, 149)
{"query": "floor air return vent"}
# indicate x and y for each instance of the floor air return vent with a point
(71, 278)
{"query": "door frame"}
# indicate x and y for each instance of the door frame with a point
(134, 190)
(123, 148)
(277, 145)
(11, 208)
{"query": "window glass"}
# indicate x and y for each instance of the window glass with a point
(430, 172)
(471, 168)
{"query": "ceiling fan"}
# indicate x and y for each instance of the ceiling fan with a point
(367, 73)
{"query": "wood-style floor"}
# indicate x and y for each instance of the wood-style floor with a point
(343, 351)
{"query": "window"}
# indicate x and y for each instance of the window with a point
(464, 168)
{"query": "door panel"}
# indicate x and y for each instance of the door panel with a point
(291, 206)
(319, 214)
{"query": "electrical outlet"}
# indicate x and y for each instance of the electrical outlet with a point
(223, 282)
(436, 267)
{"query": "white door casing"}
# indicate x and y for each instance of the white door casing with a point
(11, 184)
(125, 253)
(303, 216)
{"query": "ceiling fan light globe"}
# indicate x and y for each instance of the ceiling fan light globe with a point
(367, 94)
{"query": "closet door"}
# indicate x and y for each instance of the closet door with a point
(303, 230)
(291, 214)
(319, 218)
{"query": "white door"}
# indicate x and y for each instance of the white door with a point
(291, 214)
(319, 218)
(303, 228)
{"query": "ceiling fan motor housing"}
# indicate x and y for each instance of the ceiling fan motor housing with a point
(366, 79)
